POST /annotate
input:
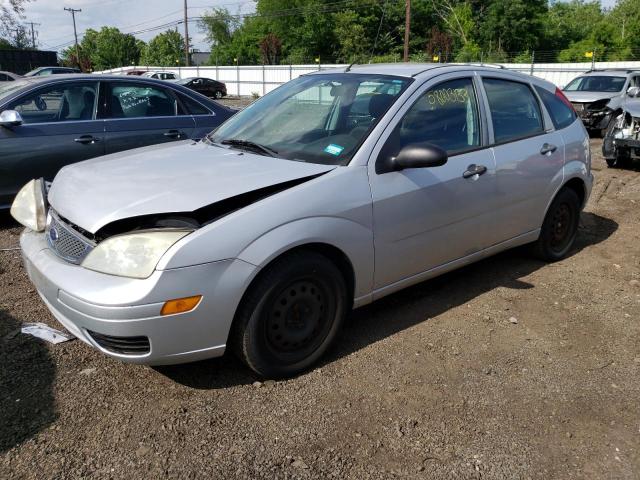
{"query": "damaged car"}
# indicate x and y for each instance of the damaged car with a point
(621, 143)
(598, 96)
(260, 238)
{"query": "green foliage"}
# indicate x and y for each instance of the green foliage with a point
(104, 49)
(164, 50)
(10, 14)
(300, 31)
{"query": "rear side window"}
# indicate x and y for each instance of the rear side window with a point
(131, 100)
(561, 115)
(515, 112)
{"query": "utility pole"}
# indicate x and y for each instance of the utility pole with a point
(75, 32)
(33, 33)
(186, 35)
(407, 30)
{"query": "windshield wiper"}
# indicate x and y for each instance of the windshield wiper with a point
(248, 144)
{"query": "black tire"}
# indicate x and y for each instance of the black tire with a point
(560, 227)
(290, 315)
(218, 94)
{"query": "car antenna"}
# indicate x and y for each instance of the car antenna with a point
(348, 69)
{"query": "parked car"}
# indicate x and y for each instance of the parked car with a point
(49, 122)
(8, 76)
(162, 75)
(263, 236)
(621, 143)
(136, 72)
(45, 71)
(598, 96)
(205, 86)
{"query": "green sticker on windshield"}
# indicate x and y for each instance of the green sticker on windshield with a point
(334, 149)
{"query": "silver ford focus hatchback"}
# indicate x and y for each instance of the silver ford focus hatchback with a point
(334, 190)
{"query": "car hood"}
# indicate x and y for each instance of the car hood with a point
(181, 177)
(632, 107)
(588, 97)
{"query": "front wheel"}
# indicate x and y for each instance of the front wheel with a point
(291, 315)
(560, 227)
(218, 94)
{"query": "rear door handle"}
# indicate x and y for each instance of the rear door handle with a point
(473, 170)
(173, 134)
(547, 148)
(86, 139)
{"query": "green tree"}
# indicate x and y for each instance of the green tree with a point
(11, 12)
(164, 50)
(352, 37)
(512, 25)
(105, 49)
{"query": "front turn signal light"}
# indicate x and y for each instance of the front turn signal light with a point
(180, 305)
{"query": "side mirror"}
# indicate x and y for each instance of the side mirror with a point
(420, 155)
(10, 118)
(633, 92)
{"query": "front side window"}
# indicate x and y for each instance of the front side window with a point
(59, 103)
(515, 112)
(445, 115)
(131, 100)
(319, 118)
(596, 83)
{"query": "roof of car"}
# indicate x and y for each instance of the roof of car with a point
(88, 76)
(611, 72)
(411, 69)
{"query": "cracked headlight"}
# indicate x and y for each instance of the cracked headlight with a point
(29, 208)
(133, 255)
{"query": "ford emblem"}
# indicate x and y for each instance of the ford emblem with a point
(53, 234)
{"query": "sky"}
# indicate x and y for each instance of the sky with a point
(56, 26)
(56, 29)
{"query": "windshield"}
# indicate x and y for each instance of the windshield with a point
(7, 88)
(596, 84)
(183, 81)
(316, 118)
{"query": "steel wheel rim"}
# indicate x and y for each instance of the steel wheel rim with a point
(298, 319)
(562, 227)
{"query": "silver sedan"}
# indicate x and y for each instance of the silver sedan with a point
(327, 194)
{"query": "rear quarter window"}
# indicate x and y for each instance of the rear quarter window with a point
(561, 115)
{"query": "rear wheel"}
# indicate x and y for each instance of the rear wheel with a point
(291, 315)
(560, 227)
(218, 94)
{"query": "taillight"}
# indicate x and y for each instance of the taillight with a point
(564, 99)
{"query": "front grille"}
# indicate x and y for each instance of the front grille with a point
(122, 345)
(65, 241)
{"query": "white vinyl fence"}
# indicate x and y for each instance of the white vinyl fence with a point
(259, 80)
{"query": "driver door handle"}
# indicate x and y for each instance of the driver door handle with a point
(86, 139)
(547, 148)
(473, 170)
(173, 134)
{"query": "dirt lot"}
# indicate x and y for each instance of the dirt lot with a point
(437, 381)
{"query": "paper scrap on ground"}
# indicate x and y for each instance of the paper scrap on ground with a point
(45, 332)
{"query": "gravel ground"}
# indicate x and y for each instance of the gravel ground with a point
(506, 369)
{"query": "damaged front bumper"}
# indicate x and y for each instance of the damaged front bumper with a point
(595, 120)
(122, 317)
